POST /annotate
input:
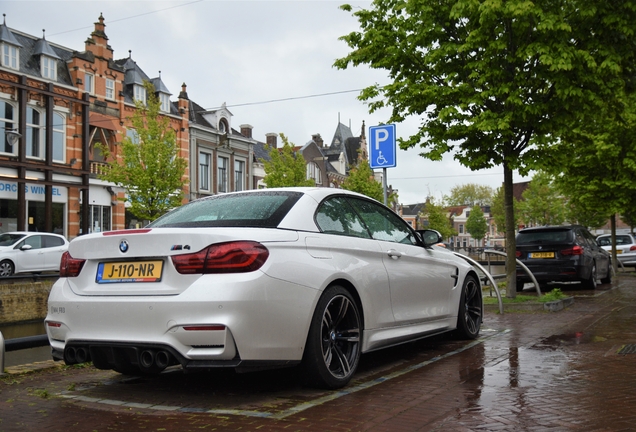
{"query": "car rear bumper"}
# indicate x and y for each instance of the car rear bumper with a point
(559, 272)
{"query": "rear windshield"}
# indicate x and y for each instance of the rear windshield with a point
(620, 240)
(256, 209)
(544, 237)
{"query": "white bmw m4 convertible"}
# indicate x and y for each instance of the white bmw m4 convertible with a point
(268, 278)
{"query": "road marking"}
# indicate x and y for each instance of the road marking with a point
(300, 407)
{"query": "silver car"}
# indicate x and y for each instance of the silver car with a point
(625, 247)
(259, 279)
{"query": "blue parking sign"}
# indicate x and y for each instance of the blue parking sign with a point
(382, 146)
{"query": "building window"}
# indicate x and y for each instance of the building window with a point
(59, 137)
(132, 135)
(461, 229)
(49, 67)
(110, 88)
(314, 173)
(10, 56)
(7, 122)
(165, 102)
(204, 171)
(140, 93)
(239, 175)
(223, 126)
(222, 164)
(34, 134)
(89, 83)
(99, 219)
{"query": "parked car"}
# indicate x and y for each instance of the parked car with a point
(30, 252)
(561, 254)
(625, 247)
(259, 279)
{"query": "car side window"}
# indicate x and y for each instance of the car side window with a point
(51, 241)
(383, 223)
(336, 216)
(34, 241)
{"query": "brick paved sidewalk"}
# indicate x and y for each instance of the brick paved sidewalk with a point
(539, 371)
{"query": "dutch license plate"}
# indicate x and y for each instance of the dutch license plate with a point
(129, 271)
(541, 254)
(619, 251)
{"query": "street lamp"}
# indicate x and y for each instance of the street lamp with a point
(13, 137)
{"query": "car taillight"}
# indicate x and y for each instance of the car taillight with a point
(518, 254)
(231, 257)
(632, 248)
(69, 266)
(576, 250)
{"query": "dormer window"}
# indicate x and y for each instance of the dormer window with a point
(223, 126)
(10, 56)
(49, 67)
(140, 93)
(165, 102)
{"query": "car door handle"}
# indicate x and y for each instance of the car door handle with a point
(394, 254)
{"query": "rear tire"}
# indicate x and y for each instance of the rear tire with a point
(608, 278)
(471, 311)
(332, 351)
(590, 283)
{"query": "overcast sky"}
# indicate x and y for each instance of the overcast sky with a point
(271, 62)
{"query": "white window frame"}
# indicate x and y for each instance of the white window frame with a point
(59, 137)
(164, 99)
(239, 175)
(9, 124)
(314, 173)
(10, 56)
(221, 169)
(48, 67)
(140, 93)
(35, 132)
(110, 88)
(89, 83)
(204, 172)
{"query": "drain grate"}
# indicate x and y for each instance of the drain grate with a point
(628, 349)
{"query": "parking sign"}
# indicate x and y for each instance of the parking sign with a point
(382, 146)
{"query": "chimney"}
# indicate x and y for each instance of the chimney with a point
(246, 130)
(318, 140)
(272, 139)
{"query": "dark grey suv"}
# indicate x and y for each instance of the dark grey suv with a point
(566, 253)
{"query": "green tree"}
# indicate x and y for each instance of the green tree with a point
(362, 180)
(542, 203)
(285, 168)
(438, 219)
(148, 167)
(496, 83)
(476, 224)
(470, 194)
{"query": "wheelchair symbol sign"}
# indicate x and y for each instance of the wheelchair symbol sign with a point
(382, 146)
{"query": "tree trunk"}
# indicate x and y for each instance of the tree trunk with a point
(511, 229)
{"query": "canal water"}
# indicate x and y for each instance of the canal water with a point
(25, 356)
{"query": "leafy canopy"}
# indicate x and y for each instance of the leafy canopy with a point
(470, 194)
(285, 168)
(495, 82)
(438, 219)
(149, 168)
(543, 202)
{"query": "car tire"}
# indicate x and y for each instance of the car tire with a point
(471, 312)
(590, 283)
(6, 268)
(608, 278)
(332, 351)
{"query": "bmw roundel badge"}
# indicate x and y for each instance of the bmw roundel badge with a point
(123, 246)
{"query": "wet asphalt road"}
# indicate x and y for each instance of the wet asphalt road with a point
(560, 371)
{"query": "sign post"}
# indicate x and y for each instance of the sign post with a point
(382, 152)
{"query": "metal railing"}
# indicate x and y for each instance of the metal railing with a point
(21, 343)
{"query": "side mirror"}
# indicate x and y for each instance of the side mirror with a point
(26, 247)
(430, 237)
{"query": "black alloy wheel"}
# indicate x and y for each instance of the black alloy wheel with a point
(333, 345)
(470, 313)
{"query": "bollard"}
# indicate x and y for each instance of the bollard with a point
(1, 354)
